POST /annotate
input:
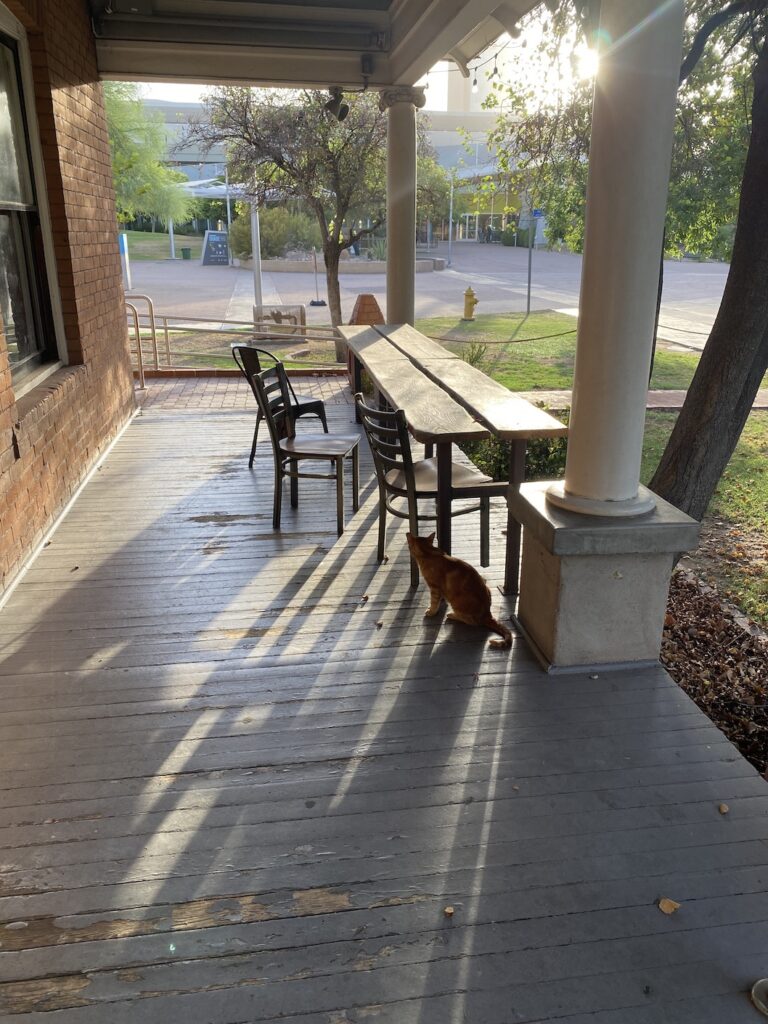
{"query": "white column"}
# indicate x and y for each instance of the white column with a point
(401, 103)
(630, 152)
(256, 256)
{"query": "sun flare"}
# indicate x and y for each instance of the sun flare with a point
(587, 62)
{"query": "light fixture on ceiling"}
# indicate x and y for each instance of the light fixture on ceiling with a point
(336, 106)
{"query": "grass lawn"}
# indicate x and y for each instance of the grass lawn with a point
(537, 352)
(155, 245)
(733, 554)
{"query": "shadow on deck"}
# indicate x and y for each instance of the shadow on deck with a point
(243, 780)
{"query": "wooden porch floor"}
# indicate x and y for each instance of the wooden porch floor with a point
(242, 780)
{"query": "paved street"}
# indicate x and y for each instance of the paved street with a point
(692, 291)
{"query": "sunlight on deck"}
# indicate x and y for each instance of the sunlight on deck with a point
(245, 777)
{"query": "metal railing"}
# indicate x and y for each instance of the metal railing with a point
(165, 331)
(133, 313)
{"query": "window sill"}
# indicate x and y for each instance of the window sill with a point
(27, 384)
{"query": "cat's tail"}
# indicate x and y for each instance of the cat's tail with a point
(497, 627)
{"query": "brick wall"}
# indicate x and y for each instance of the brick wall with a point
(51, 436)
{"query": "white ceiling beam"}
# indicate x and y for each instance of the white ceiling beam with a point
(422, 34)
(209, 64)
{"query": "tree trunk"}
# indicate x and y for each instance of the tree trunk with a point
(331, 257)
(735, 357)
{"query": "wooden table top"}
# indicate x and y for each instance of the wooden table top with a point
(433, 415)
(443, 387)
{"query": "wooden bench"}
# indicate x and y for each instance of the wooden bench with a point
(446, 400)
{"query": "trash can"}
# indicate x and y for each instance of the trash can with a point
(186, 253)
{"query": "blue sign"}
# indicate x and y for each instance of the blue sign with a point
(215, 249)
(537, 213)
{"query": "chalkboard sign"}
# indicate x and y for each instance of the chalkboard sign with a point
(215, 249)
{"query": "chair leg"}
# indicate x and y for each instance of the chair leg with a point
(356, 478)
(340, 495)
(413, 523)
(277, 506)
(382, 526)
(485, 531)
(323, 420)
(255, 439)
(294, 468)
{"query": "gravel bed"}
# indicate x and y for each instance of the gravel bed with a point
(720, 659)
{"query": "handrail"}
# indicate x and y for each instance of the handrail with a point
(153, 326)
(258, 325)
(170, 324)
(139, 358)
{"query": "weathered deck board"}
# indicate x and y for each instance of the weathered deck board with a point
(242, 778)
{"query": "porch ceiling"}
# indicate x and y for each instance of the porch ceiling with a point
(293, 42)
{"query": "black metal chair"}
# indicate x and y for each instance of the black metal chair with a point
(249, 359)
(399, 476)
(273, 396)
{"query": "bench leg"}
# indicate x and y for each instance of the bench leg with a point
(516, 477)
(340, 495)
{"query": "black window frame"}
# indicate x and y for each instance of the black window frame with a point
(32, 266)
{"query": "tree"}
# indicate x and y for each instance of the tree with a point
(143, 184)
(721, 153)
(735, 357)
(543, 136)
(287, 146)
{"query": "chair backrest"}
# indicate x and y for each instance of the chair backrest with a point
(252, 360)
(390, 443)
(270, 388)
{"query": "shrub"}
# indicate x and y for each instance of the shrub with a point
(474, 353)
(508, 235)
(280, 231)
(240, 237)
(544, 457)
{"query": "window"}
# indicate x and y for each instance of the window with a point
(25, 321)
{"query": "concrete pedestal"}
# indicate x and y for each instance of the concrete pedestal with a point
(593, 590)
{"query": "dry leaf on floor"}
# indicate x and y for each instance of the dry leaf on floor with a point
(723, 808)
(667, 906)
(448, 911)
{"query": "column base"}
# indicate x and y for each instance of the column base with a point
(643, 502)
(593, 590)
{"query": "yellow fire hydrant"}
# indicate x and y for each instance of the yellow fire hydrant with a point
(470, 301)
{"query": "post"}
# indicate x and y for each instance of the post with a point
(125, 260)
(171, 239)
(450, 225)
(401, 103)
(630, 154)
(256, 256)
(531, 224)
(229, 210)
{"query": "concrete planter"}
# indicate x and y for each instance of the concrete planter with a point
(423, 266)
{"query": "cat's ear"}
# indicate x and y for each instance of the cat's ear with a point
(430, 538)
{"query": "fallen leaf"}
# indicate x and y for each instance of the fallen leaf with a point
(448, 911)
(379, 625)
(363, 599)
(723, 808)
(667, 906)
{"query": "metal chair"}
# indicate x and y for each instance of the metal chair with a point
(273, 396)
(399, 476)
(249, 360)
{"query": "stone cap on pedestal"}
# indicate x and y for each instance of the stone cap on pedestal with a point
(665, 529)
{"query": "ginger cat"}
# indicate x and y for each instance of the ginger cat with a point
(460, 584)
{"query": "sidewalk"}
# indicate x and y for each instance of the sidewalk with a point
(233, 393)
(657, 400)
